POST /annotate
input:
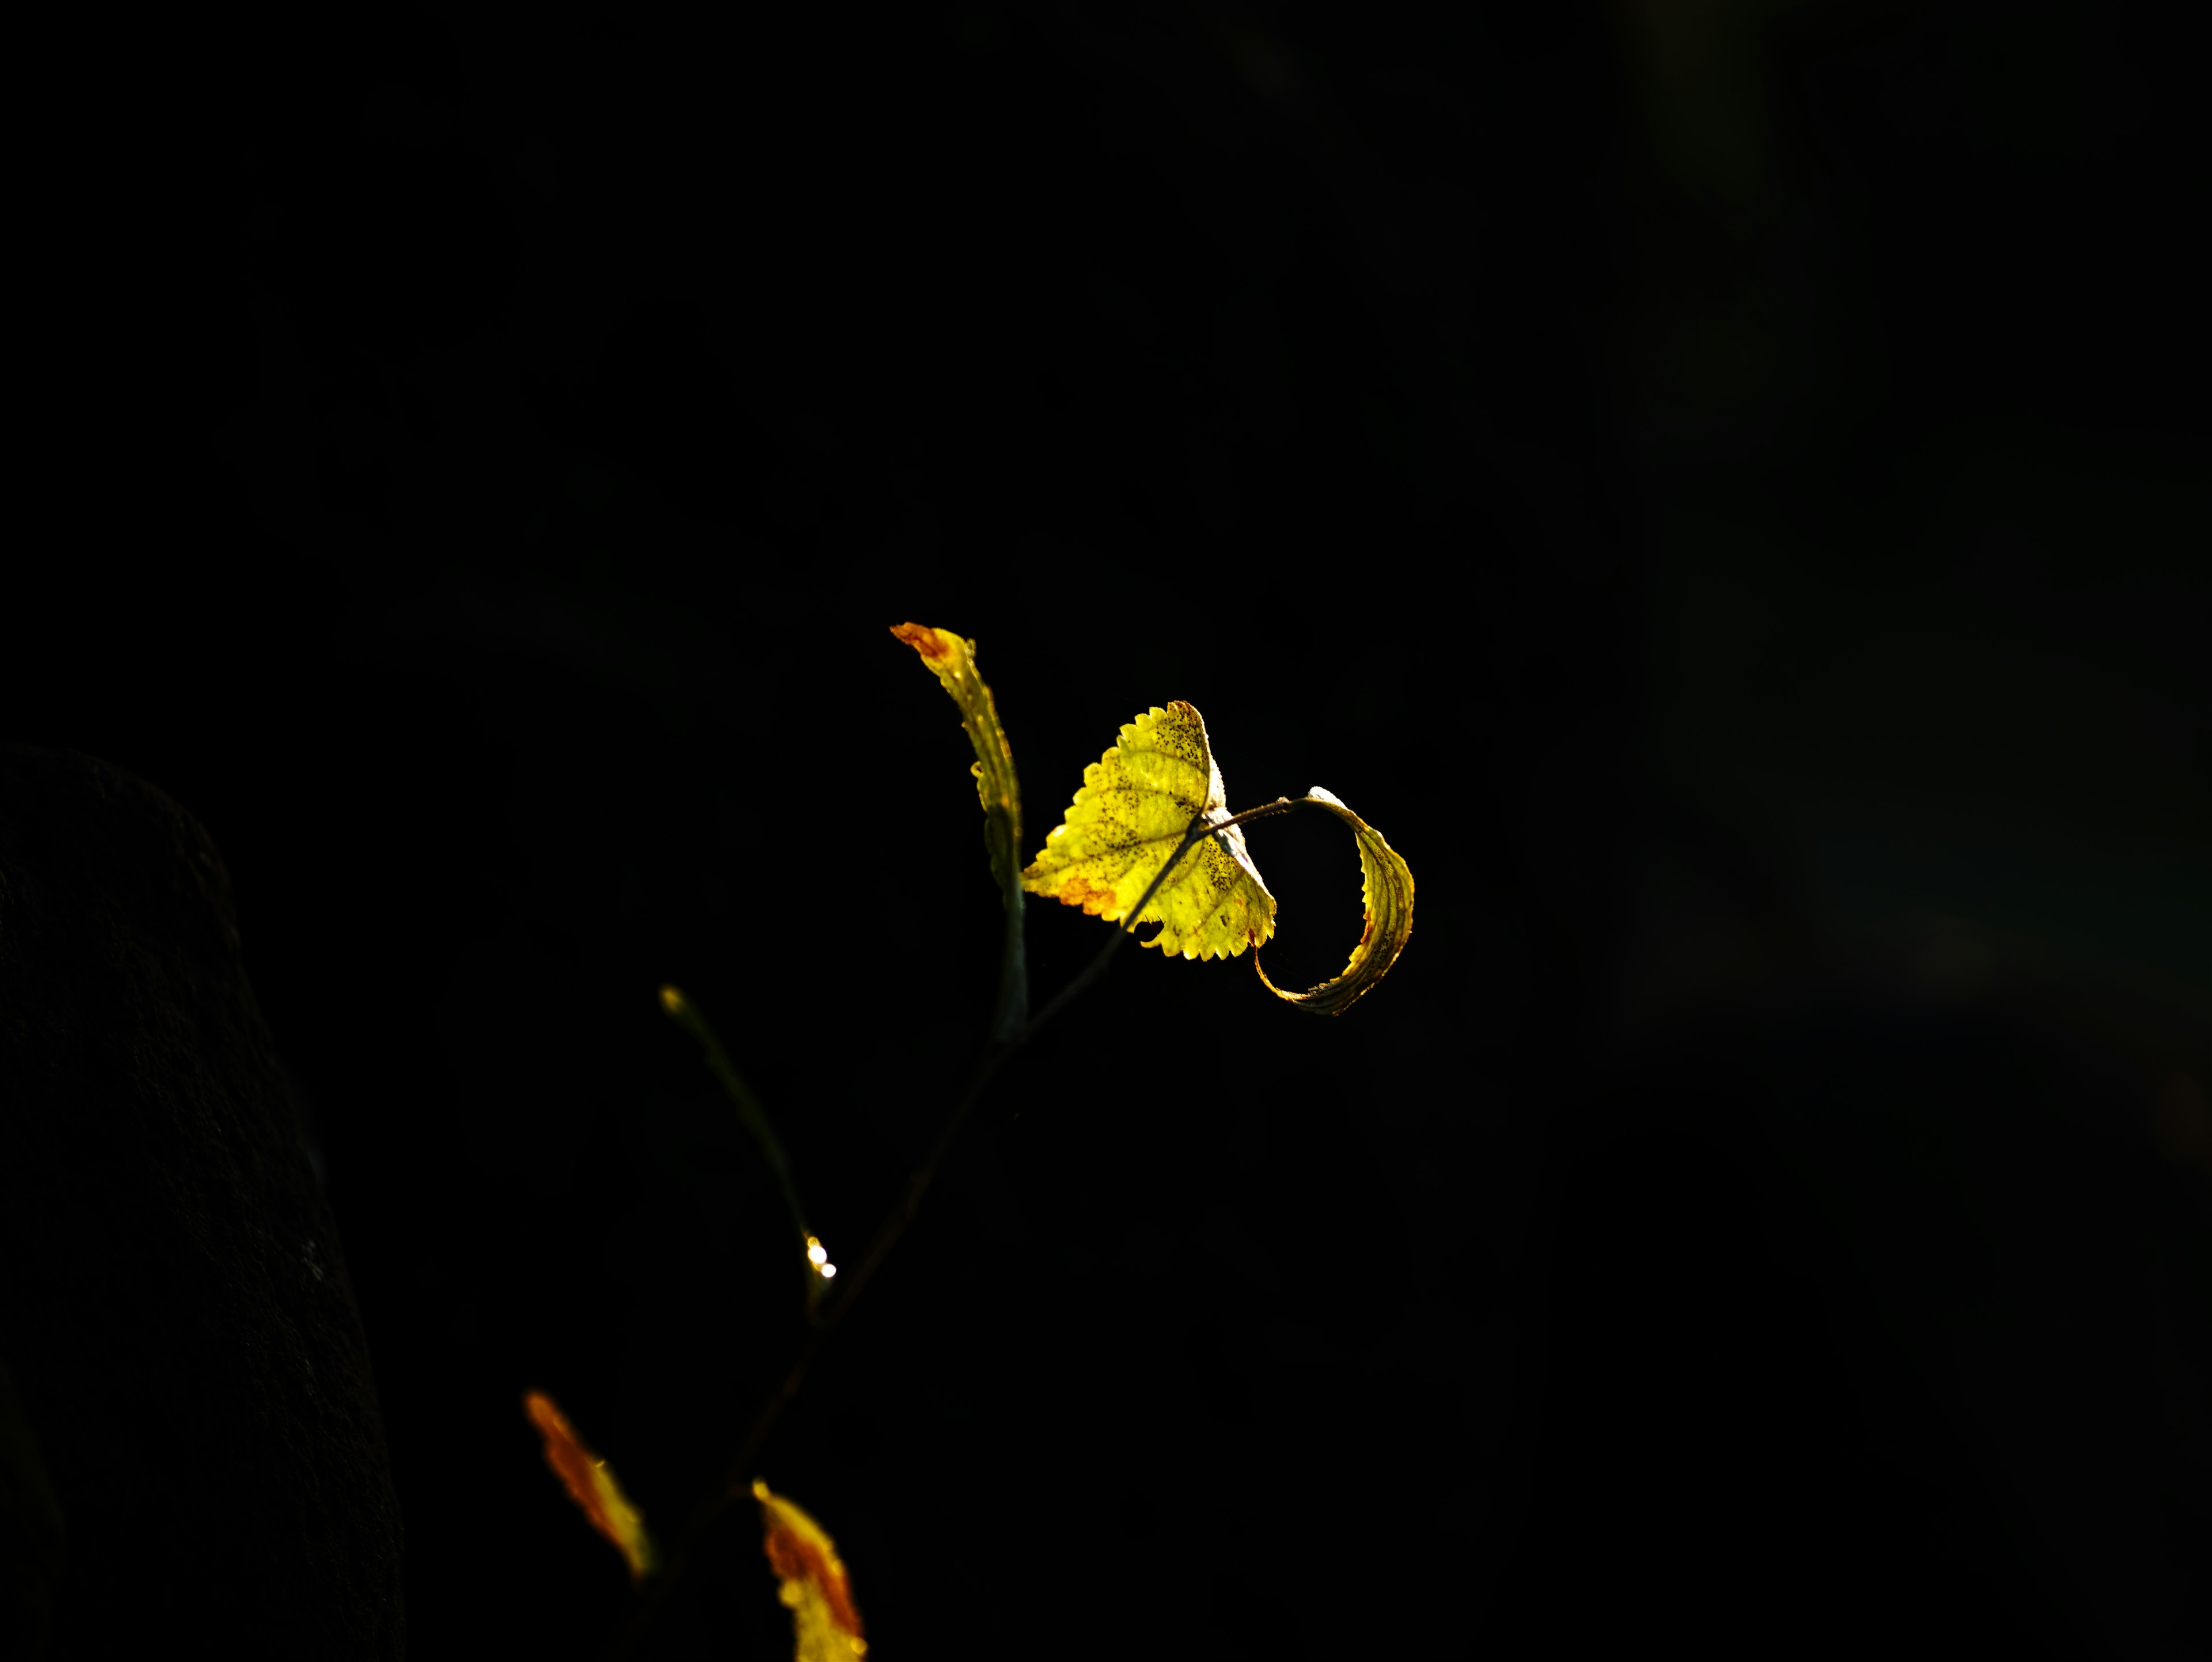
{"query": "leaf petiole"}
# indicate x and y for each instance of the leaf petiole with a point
(1196, 832)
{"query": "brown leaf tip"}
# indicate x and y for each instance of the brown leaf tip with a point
(922, 639)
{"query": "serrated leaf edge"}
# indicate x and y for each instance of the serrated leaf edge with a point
(1372, 959)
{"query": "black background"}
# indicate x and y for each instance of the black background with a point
(1721, 487)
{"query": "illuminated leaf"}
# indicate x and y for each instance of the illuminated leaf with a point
(812, 1580)
(1386, 888)
(1135, 803)
(952, 659)
(592, 1486)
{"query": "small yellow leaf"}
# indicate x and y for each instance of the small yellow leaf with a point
(591, 1485)
(954, 661)
(1134, 805)
(810, 1580)
(1387, 886)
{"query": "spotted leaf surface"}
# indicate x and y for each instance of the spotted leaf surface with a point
(1127, 819)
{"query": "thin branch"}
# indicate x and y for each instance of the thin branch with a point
(711, 1505)
(1197, 832)
(1012, 1012)
(737, 1474)
(752, 1114)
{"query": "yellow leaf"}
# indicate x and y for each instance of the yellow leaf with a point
(591, 1485)
(1387, 886)
(810, 1580)
(954, 661)
(1135, 803)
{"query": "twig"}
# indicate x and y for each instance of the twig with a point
(736, 1482)
(752, 1114)
(1198, 831)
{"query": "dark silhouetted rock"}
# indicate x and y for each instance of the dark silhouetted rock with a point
(189, 1371)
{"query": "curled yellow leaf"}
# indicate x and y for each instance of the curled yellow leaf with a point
(591, 1485)
(953, 660)
(1386, 888)
(811, 1580)
(1128, 817)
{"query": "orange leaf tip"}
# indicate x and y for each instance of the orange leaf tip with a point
(591, 1485)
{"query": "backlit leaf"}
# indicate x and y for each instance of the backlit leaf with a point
(952, 659)
(1135, 803)
(592, 1486)
(810, 1580)
(1387, 886)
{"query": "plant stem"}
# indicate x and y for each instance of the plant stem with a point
(1012, 1012)
(1198, 831)
(736, 1482)
(737, 1476)
(752, 1114)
